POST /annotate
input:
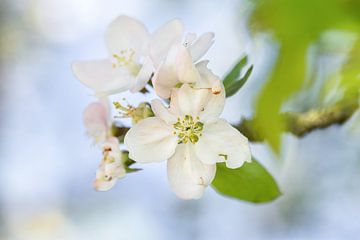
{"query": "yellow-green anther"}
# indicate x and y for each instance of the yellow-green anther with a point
(118, 106)
(199, 126)
(194, 138)
(178, 85)
(188, 130)
(178, 126)
(135, 113)
(126, 59)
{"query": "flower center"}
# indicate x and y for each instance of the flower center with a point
(188, 129)
(126, 60)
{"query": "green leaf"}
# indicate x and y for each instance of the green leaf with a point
(131, 170)
(237, 85)
(128, 162)
(251, 182)
(234, 74)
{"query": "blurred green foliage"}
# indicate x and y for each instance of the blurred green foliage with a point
(296, 25)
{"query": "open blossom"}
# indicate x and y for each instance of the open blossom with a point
(179, 67)
(191, 136)
(96, 121)
(129, 66)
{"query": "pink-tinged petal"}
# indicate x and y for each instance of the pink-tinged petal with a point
(164, 38)
(126, 33)
(201, 45)
(95, 119)
(186, 70)
(100, 76)
(220, 142)
(151, 140)
(188, 176)
(162, 112)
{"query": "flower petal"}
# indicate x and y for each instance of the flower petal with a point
(188, 101)
(102, 185)
(151, 140)
(100, 76)
(197, 102)
(163, 38)
(208, 78)
(186, 70)
(220, 142)
(162, 112)
(143, 76)
(126, 33)
(165, 77)
(188, 176)
(95, 119)
(201, 46)
(189, 39)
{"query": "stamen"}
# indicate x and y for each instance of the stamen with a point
(188, 130)
(126, 60)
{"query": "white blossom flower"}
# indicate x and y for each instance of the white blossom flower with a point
(179, 67)
(129, 66)
(111, 167)
(191, 136)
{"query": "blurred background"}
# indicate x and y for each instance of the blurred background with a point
(305, 55)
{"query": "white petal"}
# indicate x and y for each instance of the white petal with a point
(151, 140)
(166, 77)
(162, 112)
(113, 144)
(189, 39)
(188, 177)
(188, 100)
(208, 78)
(102, 185)
(115, 169)
(162, 40)
(214, 106)
(126, 33)
(164, 80)
(221, 142)
(186, 70)
(143, 76)
(201, 46)
(200, 103)
(100, 76)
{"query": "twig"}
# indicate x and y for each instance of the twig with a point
(300, 124)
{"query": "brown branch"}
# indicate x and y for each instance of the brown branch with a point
(300, 124)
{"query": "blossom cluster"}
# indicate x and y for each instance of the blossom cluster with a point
(182, 126)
